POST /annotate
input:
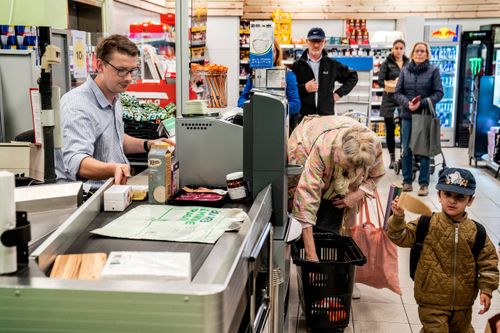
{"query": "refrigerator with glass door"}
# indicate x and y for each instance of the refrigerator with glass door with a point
(444, 42)
(476, 60)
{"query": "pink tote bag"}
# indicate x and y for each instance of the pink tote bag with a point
(381, 268)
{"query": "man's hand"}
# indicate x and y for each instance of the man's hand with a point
(349, 200)
(336, 97)
(413, 106)
(396, 210)
(159, 141)
(122, 172)
(485, 302)
(312, 86)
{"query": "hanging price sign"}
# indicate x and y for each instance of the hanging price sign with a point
(79, 54)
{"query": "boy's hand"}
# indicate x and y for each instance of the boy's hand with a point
(485, 302)
(396, 210)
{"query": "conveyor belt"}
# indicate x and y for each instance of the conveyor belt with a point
(91, 243)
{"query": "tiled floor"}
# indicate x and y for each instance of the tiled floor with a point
(382, 311)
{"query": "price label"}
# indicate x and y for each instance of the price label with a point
(79, 54)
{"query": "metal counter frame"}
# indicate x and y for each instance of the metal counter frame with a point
(214, 301)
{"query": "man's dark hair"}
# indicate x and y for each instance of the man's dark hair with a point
(118, 43)
(399, 41)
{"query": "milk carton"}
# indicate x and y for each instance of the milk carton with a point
(160, 173)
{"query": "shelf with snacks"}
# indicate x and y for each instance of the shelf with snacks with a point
(198, 34)
(157, 53)
(358, 100)
(356, 32)
(379, 129)
(244, 70)
(292, 52)
(377, 118)
(380, 53)
(282, 26)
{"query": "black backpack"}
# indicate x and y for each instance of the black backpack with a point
(423, 228)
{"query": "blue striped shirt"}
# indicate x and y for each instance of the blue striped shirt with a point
(91, 127)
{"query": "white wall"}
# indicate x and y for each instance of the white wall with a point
(121, 16)
(378, 25)
(223, 40)
(331, 27)
(413, 30)
(467, 24)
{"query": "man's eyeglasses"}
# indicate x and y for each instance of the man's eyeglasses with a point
(122, 72)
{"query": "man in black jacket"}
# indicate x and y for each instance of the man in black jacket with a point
(316, 75)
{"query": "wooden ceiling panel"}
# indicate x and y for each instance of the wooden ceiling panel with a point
(338, 9)
(382, 9)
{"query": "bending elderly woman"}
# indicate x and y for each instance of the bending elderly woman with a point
(342, 162)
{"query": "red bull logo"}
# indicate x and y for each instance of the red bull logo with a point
(444, 33)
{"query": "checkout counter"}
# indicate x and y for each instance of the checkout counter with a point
(239, 284)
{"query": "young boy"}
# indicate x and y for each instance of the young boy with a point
(448, 277)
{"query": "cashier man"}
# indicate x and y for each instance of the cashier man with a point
(93, 132)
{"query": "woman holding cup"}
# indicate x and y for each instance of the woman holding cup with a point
(387, 79)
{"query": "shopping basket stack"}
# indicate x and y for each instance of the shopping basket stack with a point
(325, 287)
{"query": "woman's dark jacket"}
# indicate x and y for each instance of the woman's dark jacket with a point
(421, 80)
(330, 70)
(389, 70)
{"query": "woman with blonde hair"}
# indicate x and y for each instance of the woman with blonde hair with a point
(292, 90)
(419, 84)
(342, 162)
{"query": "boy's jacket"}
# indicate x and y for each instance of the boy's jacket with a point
(446, 272)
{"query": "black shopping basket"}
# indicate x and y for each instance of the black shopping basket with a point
(325, 287)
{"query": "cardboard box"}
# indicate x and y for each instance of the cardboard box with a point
(160, 174)
(117, 198)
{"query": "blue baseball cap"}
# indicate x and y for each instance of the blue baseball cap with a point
(316, 33)
(456, 180)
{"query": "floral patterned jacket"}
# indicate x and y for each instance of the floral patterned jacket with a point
(312, 145)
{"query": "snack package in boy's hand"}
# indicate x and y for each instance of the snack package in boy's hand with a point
(413, 204)
(394, 191)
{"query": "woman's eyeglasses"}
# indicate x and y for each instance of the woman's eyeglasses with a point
(420, 51)
(122, 72)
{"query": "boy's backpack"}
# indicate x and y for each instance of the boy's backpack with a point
(421, 232)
